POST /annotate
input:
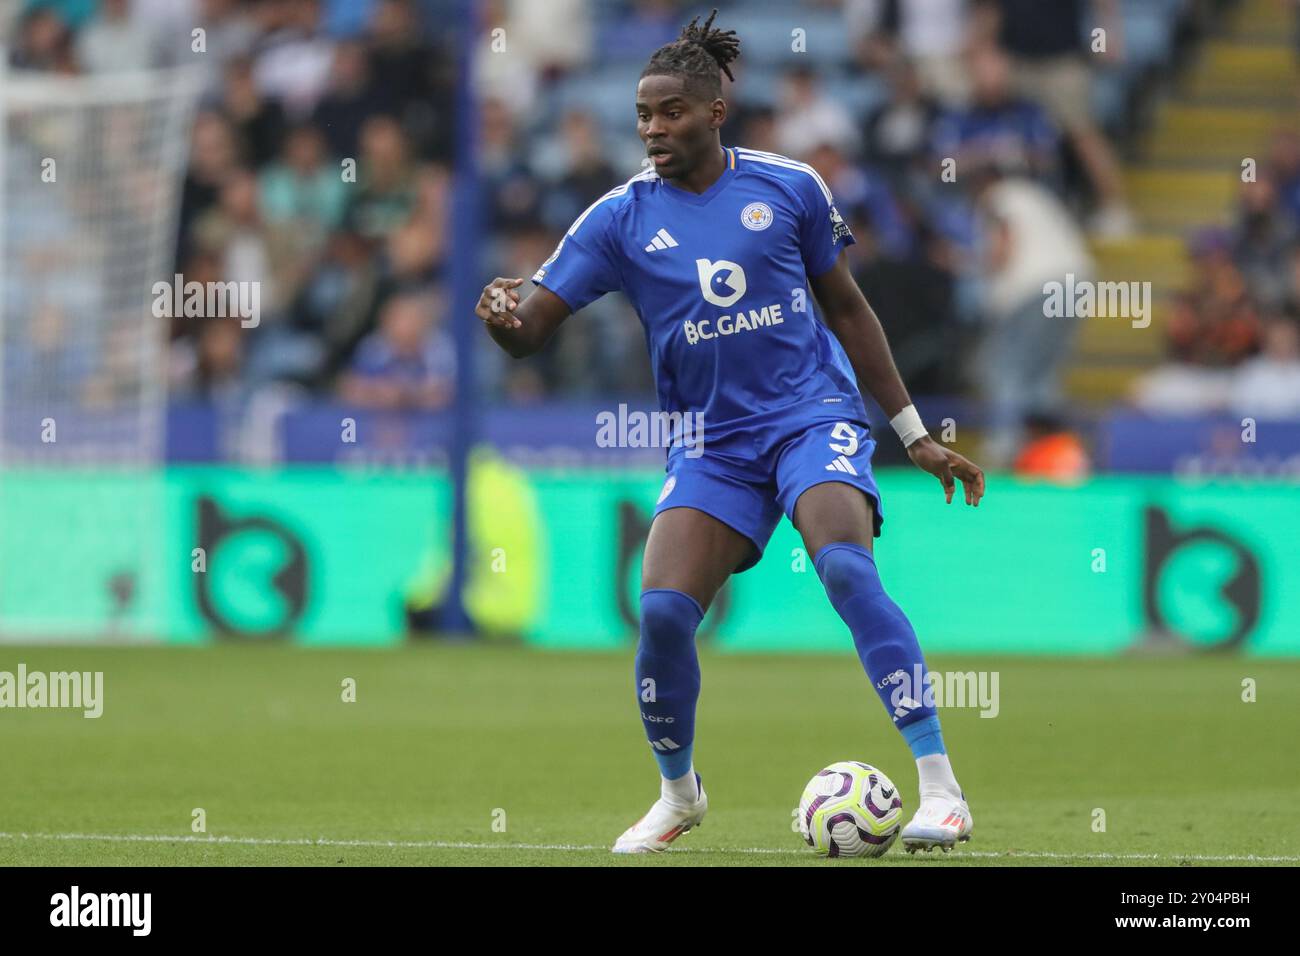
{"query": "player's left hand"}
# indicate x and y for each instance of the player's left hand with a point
(945, 464)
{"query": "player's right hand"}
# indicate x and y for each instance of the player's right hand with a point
(497, 304)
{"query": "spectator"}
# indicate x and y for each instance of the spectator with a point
(1268, 386)
(258, 121)
(201, 267)
(229, 32)
(1032, 240)
(1261, 242)
(304, 191)
(44, 43)
(569, 362)
(115, 41)
(807, 117)
(1283, 166)
(1214, 323)
(116, 379)
(932, 34)
(412, 78)
(408, 364)
(897, 137)
(580, 175)
(43, 356)
(370, 80)
(512, 81)
(915, 299)
(294, 59)
(516, 193)
(1052, 452)
(385, 194)
(416, 248)
(213, 370)
(552, 52)
(249, 251)
(349, 101)
(1045, 41)
(214, 156)
(856, 190)
(338, 303)
(998, 127)
(1211, 328)
(255, 251)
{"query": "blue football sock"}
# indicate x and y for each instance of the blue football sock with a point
(668, 676)
(885, 642)
(924, 737)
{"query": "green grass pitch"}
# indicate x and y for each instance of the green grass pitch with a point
(447, 744)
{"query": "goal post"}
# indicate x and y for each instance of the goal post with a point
(91, 169)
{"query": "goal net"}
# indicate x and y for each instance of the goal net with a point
(90, 176)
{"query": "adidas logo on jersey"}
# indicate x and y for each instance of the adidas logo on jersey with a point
(661, 241)
(842, 464)
(665, 744)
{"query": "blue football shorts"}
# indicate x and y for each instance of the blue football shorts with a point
(749, 477)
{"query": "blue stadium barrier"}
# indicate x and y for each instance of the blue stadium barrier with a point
(1197, 446)
(555, 432)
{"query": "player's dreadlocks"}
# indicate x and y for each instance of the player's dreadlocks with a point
(697, 56)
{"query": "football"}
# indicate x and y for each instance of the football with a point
(850, 809)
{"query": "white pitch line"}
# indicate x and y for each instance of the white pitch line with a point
(573, 847)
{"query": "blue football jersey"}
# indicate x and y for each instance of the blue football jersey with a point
(720, 282)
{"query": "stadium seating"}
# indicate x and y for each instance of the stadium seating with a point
(1222, 111)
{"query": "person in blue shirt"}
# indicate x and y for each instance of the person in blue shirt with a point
(723, 252)
(998, 126)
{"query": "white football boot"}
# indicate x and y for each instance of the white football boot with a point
(668, 819)
(941, 821)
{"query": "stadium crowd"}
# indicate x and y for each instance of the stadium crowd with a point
(1233, 334)
(353, 267)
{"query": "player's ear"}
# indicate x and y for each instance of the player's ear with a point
(719, 113)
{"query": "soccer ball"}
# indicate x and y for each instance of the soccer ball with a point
(850, 809)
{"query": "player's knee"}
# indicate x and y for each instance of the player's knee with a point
(668, 618)
(847, 570)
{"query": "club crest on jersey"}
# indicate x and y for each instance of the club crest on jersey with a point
(722, 283)
(757, 216)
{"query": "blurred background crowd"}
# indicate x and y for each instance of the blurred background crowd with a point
(978, 148)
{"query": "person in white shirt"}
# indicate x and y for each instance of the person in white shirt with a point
(1268, 385)
(1032, 240)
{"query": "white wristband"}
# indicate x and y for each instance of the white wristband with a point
(907, 424)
